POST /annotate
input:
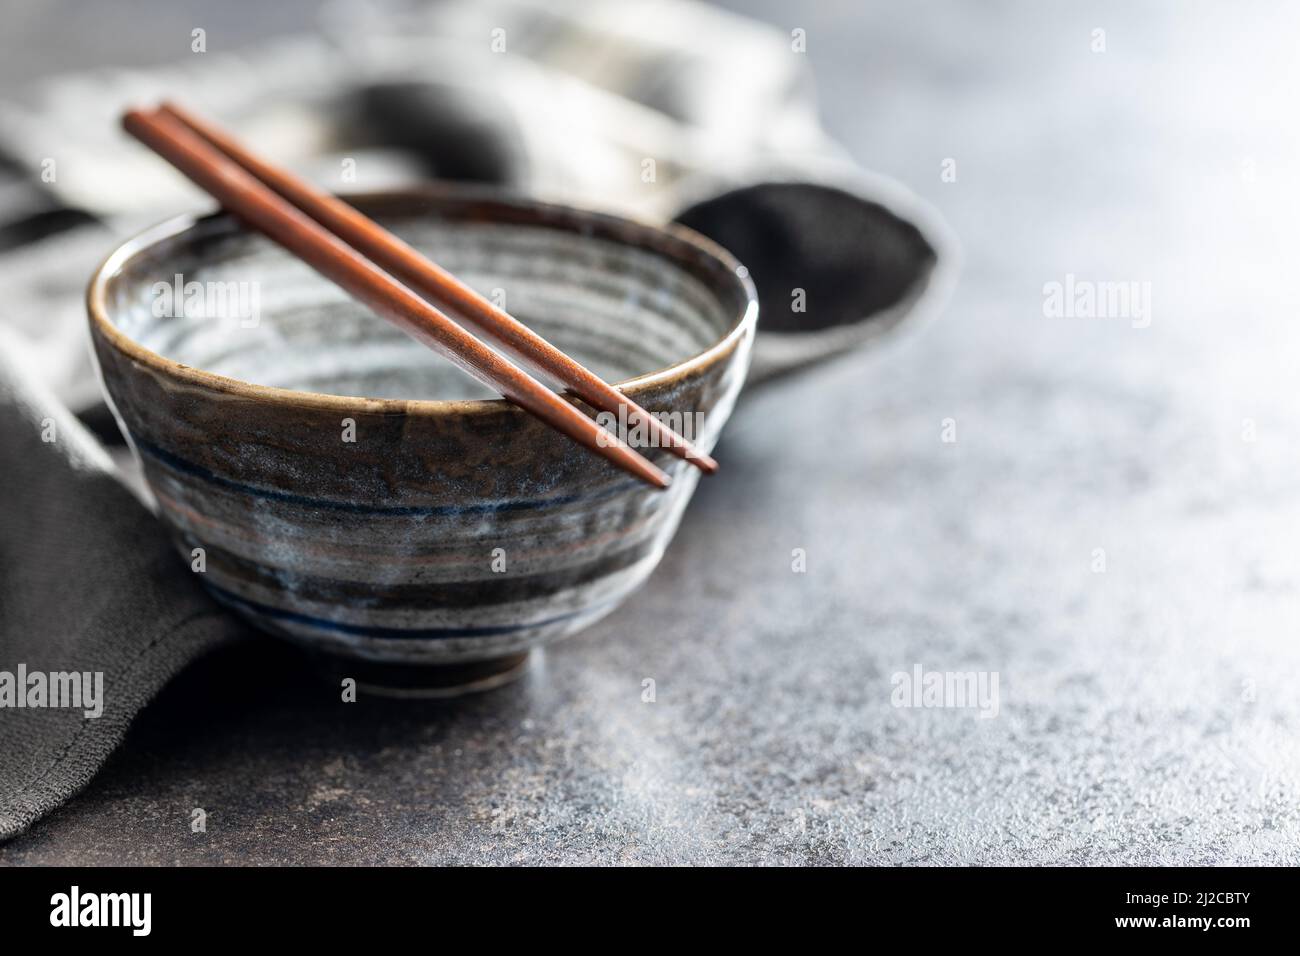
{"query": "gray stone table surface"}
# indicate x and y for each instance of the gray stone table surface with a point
(1113, 532)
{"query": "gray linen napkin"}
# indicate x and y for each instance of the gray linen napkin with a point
(89, 584)
(658, 110)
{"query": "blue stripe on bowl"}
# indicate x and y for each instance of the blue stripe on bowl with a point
(388, 633)
(179, 464)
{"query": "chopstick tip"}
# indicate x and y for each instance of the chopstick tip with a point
(133, 117)
(703, 462)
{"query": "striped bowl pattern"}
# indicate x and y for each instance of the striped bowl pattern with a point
(454, 527)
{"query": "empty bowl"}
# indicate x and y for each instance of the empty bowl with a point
(342, 486)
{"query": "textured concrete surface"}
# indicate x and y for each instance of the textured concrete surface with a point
(1147, 713)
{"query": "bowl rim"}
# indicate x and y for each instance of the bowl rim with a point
(549, 215)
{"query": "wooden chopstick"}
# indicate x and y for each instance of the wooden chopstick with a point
(262, 209)
(441, 287)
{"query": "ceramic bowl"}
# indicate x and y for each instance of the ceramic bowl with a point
(342, 486)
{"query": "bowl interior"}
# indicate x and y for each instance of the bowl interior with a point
(218, 298)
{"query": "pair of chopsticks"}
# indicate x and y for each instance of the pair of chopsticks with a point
(380, 270)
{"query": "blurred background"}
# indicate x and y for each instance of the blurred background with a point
(1112, 529)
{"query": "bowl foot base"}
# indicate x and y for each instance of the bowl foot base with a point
(429, 682)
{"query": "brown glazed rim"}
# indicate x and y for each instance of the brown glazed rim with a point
(674, 242)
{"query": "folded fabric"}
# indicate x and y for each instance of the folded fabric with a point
(92, 599)
(660, 110)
